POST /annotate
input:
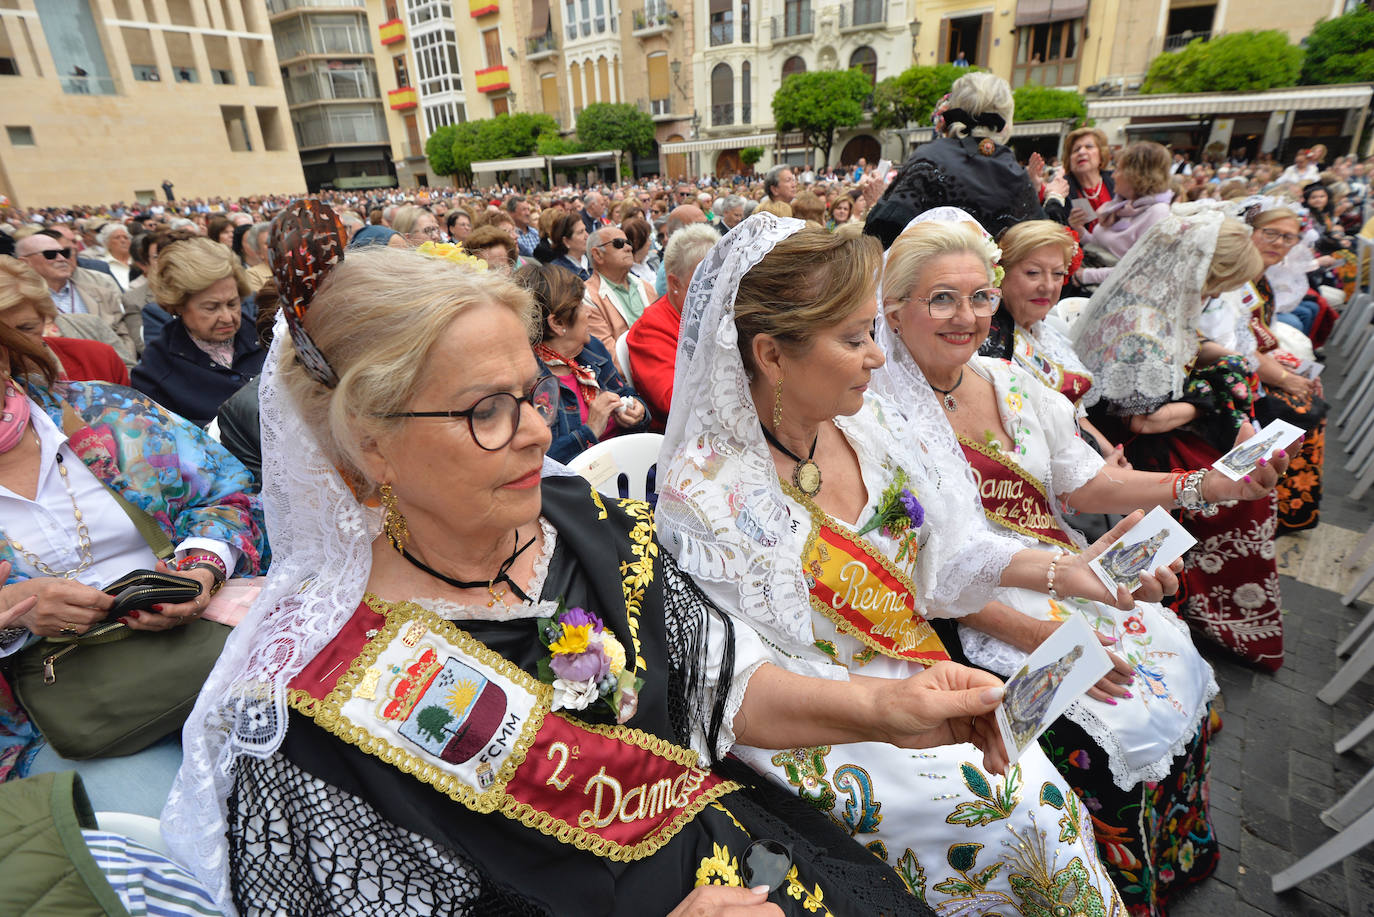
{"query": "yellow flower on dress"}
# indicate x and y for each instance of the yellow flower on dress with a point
(615, 653)
(575, 639)
(718, 869)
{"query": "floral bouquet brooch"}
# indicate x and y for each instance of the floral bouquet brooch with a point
(899, 514)
(586, 663)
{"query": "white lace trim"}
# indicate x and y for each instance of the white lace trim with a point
(1138, 332)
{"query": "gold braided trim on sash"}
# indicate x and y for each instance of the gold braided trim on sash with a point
(327, 713)
(818, 517)
(1004, 521)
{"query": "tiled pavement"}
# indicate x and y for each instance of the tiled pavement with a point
(1274, 767)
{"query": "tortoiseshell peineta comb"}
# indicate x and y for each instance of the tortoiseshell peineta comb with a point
(307, 240)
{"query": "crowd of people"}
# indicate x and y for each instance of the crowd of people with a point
(900, 415)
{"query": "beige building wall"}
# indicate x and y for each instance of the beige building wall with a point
(395, 73)
(123, 136)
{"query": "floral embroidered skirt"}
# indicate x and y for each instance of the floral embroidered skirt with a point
(1229, 587)
(1300, 490)
(1156, 838)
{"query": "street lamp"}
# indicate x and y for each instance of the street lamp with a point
(696, 125)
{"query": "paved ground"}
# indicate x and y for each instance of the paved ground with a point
(1274, 767)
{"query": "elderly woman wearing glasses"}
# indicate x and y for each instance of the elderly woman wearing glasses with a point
(417, 224)
(474, 686)
(594, 401)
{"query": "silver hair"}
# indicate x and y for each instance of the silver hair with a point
(687, 248)
(594, 239)
(730, 202)
(981, 93)
(182, 223)
(109, 229)
(253, 237)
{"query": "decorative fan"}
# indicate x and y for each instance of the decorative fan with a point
(307, 240)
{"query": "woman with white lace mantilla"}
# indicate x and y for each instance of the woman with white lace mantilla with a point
(1135, 748)
(493, 693)
(801, 506)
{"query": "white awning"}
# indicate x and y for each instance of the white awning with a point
(1163, 126)
(1039, 128)
(577, 159)
(717, 143)
(509, 165)
(1298, 98)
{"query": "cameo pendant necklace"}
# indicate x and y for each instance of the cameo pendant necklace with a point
(949, 401)
(806, 476)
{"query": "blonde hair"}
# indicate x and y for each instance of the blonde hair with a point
(777, 208)
(1104, 151)
(407, 218)
(1145, 164)
(1265, 217)
(187, 266)
(915, 248)
(812, 280)
(21, 285)
(1235, 260)
(981, 93)
(1018, 241)
(377, 318)
(807, 206)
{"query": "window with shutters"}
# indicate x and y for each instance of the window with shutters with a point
(722, 95)
(659, 84)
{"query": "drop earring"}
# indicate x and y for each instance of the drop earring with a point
(393, 522)
(777, 404)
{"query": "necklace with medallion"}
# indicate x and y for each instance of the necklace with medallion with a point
(806, 475)
(950, 403)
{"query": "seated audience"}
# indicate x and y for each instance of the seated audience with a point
(595, 403)
(617, 298)
(26, 306)
(206, 352)
(417, 224)
(76, 290)
(115, 241)
(1087, 156)
(494, 246)
(568, 241)
(652, 340)
(1141, 200)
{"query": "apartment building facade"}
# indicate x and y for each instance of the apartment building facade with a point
(106, 99)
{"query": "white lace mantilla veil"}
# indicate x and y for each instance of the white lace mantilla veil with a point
(1138, 333)
(967, 558)
(321, 561)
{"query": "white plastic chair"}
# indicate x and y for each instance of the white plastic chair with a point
(620, 466)
(622, 357)
(1355, 818)
(142, 828)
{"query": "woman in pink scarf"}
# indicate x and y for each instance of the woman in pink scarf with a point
(1142, 199)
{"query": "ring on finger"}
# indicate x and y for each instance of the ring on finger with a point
(68, 629)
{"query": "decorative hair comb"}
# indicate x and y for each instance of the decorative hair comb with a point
(307, 240)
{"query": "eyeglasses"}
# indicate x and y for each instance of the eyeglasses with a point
(944, 303)
(618, 243)
(432, 231)
(1287, 238)
(494, 420)
(52, 254)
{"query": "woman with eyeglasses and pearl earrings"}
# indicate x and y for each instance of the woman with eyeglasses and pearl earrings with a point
(1134, 749)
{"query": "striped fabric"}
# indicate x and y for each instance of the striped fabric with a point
(147, 882)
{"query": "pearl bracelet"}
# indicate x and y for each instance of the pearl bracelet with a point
(1049, 576)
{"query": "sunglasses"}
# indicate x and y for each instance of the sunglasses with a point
(618, 243)
(52, 254)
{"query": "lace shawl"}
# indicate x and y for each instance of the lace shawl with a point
(1138, 333)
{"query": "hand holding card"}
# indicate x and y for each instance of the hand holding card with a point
(1054, 676)
(1242, 460)
(1153, 542)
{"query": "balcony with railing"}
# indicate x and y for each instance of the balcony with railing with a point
(722, 33)
(1182, 39)
(794, 25)
(723, 114)
(541, 46)
(746, 111)
(654, 19)
(863, 14)
(343, 84)
(493, 79)
(275, 7)
(86, 85)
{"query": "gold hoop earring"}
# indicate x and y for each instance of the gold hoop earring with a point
(777, 405)
(393, 522)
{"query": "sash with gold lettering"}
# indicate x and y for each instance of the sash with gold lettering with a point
(1011, 498)
(863, 592)
(429, 699)
(1028, 354)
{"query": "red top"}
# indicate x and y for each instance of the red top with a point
(88, 361)
(652, 340)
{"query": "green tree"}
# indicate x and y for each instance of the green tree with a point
(439, 150)
(1040, 103)
(819, 102)
(1341, 50)
(432, 721)
(616, 126)
(751, 155)
(910, 96)
(1238, 62)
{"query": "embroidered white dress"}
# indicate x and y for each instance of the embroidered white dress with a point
(968, 841)
(1173, 683)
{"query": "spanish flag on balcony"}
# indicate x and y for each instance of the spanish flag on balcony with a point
(391, 32)
(482, 7)
(493, 79)
(403, 98)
